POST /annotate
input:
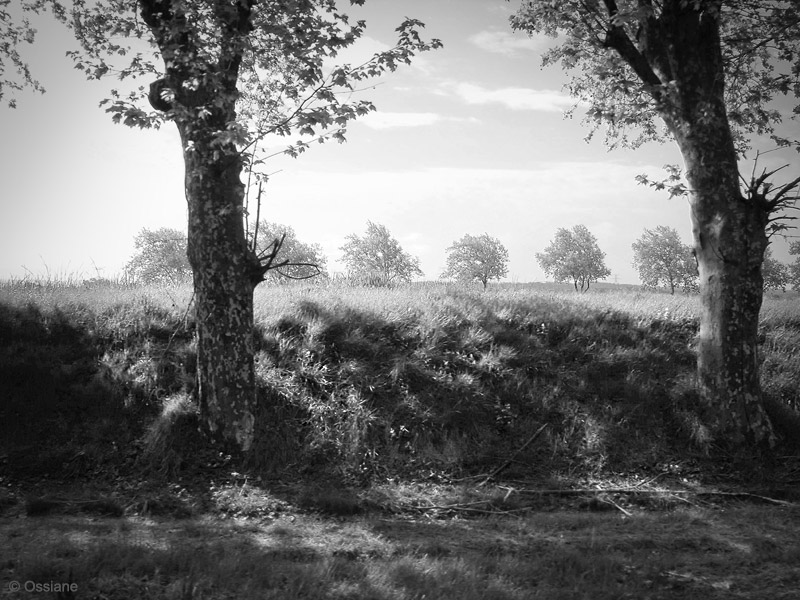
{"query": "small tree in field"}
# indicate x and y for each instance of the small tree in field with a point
(774, 272)
(293, 258)
(378, 257)
(476, 258)
(160, 257)
(574, 256)
(794, 268)
(663, 259)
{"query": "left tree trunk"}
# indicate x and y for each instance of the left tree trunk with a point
(223, 287)
(201, 93)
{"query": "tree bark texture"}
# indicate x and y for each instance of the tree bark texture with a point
(223, 288)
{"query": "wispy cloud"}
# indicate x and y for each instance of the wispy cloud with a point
(515, 98)
(507, 42)
(391, 120)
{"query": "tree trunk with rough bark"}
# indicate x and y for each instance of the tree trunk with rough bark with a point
(729, 243)
(201, 92)
(223, 291)
(729, 230)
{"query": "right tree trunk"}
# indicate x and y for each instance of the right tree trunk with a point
(729, 243)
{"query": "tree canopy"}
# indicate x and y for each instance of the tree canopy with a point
(662, 259)
(378, 258)
(574, 255)
(623, 60)
(476, 258)
(273, 59)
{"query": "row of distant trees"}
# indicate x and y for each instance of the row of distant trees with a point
(377, 258)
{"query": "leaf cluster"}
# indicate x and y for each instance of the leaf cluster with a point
(16, 30)
(272, 60)
(624, 69)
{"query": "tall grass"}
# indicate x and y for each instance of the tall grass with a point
(434, 378)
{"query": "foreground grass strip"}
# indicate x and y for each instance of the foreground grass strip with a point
(741, 552)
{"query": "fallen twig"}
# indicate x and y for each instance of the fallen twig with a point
(617, 506)
(567, 492)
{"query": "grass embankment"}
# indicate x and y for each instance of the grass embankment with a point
(363, 392)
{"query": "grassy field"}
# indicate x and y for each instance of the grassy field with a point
(428, 441)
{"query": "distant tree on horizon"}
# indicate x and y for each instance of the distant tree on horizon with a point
(775, 273)
(662, 259)
(476, 258)
(159, 257)
(574, 255)
(303, 260)
(378, 257)
(794, 268)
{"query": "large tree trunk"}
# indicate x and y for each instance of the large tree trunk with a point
(729, 234)
(729, 243)
(223, 291)
(201, 94)
(683, 47)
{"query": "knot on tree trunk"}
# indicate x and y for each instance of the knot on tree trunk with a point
(161, 96)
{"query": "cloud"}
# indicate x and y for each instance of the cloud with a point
(507, 43)
(391, 120)
(515, 98)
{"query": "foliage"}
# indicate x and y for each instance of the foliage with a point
(160, 257)
(774, 272)
(574, 255)
(301, 260)
(277, 52)
(625, 90)
(15, 30)
(378, 257)
(480, 258)
(662, 259)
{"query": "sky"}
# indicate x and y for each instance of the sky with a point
(469, 139)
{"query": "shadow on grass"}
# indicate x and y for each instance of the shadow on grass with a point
(462, 384)
(568, 555)
(438, 385)
(77, 387)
